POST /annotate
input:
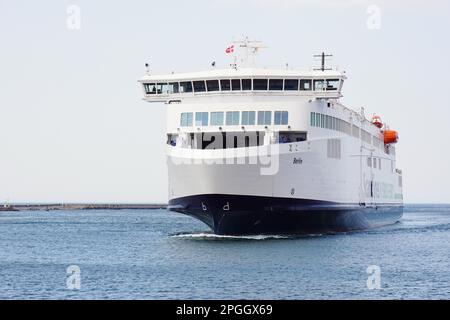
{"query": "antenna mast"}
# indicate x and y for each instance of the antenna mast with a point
(251, 49)
(323, 57)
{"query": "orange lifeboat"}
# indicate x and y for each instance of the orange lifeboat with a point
(376, 121)
(390, 136)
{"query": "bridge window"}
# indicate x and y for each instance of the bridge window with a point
(264, 117)
(260, 84)
(186, 86)
(241, 84)
(162, 88)
(305, 85)
(201, 119)
(225, 85)
(246, 84)
(248, 117)
(332, 84)
(235, 84)
(150, 88)
(212, 85)
(291, 84)
(199, 86)
(216, 118)
(281, 117)
(186, 119)
(369, 162)
(174, 87)
(276, 84)
(319, 85)
(232, 118)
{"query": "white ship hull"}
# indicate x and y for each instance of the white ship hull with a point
(300, 190)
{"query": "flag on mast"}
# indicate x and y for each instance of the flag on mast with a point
(230, 49)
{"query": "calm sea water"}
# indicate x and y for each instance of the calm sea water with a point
(155, 254)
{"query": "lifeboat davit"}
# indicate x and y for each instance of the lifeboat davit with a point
(390, 136)
(376, 121)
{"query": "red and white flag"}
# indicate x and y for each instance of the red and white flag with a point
(230, 49)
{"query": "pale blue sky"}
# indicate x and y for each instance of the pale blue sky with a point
(73, 126)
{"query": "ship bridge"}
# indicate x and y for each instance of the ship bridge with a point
(242, 82)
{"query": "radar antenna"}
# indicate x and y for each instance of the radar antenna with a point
(322, 57)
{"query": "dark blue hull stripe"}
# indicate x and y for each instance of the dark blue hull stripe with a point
(243, 215)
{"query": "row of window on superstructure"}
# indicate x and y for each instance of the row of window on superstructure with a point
(328, 122)
(242, 85)
(233, 118)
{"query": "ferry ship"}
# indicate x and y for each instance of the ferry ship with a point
(274, 151)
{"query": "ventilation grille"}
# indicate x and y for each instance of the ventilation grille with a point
(334, 148)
